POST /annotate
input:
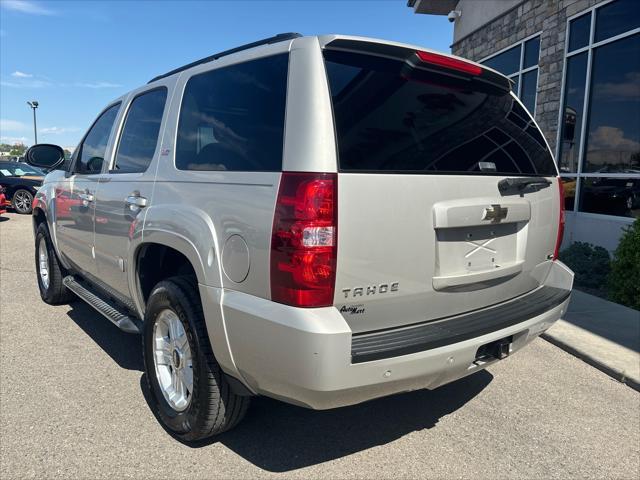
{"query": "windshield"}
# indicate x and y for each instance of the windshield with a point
(19, 170)
(391, 118)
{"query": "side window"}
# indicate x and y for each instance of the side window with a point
(94, 146)
(140, 133)
(232, 118)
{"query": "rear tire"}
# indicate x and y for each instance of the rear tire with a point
(48, 270)
(22, 201)
(210, 407)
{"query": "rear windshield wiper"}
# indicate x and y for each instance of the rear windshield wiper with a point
(519, 184)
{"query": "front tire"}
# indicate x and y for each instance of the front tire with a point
(189, 392)
(49, 271)
(22, 201)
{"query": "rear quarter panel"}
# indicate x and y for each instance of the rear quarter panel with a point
(207, 208)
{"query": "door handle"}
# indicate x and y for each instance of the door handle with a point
(86, 198)
(135, 202)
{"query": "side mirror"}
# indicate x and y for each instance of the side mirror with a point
(45, 155)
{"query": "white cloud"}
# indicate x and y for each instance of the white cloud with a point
(7, 125)
(624, 90)
(612, 138)
(58, 130)
(20, 74)
(26, 80)
(27, 83)
(97, 85)
(13, 140)
(24, 6)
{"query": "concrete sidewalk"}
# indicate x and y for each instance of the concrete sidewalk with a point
(603, 334)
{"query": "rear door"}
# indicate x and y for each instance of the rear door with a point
(127, 187)
(426, 228)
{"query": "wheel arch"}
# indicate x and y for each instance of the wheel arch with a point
(44, 213)
(39, 216)
(160, 256)
(170, 251)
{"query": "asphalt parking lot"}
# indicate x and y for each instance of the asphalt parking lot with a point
(72, 404)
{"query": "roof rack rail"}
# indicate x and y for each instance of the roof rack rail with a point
(281, 37)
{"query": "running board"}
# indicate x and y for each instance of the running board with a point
(121, 320)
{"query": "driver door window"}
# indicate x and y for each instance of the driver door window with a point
(93, 149)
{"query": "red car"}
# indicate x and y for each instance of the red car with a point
(3, 201)
(65, 202)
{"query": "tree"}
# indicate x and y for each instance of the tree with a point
(17, 150)
(624, 279)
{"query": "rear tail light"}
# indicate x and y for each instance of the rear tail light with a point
(560, 220)
(304, 240)
(448, 62)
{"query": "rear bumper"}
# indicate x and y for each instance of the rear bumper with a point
(304, 356)
(426, 336)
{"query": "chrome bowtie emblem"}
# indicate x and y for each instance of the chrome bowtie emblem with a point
(495, 213)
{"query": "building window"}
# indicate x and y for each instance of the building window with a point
(599, 136)
(520, 63)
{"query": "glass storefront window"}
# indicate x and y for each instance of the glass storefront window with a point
(528, 91)
(520, 64)
(613, 139)
(610, 196)
(617, 17)
(569, 185)
(506, 62)
(531, 52)
(598, 144)
(579, 29)
(575, 81)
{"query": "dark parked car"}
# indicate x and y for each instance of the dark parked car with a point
(21, 182)
(612, 196)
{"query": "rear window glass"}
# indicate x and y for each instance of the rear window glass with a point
(232, 118)
(390, 118)
(140, 133)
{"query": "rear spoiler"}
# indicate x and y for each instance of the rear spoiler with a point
(424, 61)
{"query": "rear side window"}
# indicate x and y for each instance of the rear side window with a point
(232, 118)
(140, 133)
(391, 118)
(94, 146)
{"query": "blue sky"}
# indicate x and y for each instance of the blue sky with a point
(74, 57)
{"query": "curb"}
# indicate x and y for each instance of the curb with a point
(612, 372)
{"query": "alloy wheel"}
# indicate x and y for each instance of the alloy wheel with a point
(22, 202)
(173, 360)
(43, 263)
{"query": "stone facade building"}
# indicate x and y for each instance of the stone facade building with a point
(576, 66)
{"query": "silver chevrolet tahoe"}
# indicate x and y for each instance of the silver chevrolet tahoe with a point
(322, 220)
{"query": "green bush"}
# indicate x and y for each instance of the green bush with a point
(624, 279)
(589, 263)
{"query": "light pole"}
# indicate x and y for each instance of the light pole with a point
(34, 104)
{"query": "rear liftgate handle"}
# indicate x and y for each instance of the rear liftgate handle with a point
(519, 184)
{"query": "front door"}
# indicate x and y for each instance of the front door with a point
(75, 196)
(125, 191)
